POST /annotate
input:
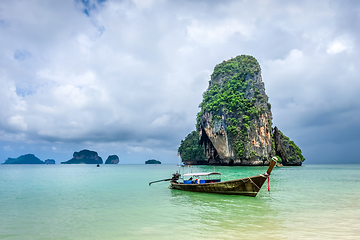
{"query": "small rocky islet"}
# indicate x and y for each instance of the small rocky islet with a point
(112, 159)
(152, 161)
(234, 125)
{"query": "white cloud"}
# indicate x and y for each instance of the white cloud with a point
(144, 3)
(339, 45)
(17, 122)
(219, 32)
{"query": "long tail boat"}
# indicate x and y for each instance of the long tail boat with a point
(249, 186)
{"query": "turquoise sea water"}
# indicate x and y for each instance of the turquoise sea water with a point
(116, 202)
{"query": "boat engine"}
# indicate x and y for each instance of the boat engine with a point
(175, 177)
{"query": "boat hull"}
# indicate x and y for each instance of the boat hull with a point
(249, 186)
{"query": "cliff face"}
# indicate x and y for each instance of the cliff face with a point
(235, 120)
(85, 157)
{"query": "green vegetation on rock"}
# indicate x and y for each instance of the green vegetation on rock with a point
(295, 148)
(243, 65)
(85, 157)
(190, 149)
(24, 159)
(227, 94)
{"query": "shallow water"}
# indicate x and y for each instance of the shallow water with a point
(116, 202)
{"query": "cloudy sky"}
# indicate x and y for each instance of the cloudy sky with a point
(126, 77)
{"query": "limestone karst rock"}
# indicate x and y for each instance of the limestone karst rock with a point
(24, 159)
(85, 157)
(152, 161)
(235, 120)
(49, 161)
(289, 153)
(112, 159)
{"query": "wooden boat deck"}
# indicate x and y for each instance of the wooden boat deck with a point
(249, 186)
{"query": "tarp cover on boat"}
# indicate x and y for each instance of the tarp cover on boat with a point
(202, 174)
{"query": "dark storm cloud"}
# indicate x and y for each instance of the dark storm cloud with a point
(128, 76)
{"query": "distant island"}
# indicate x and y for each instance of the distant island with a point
(112, 159)
(49, 161)
(85, 157)
(24, 159)
(152, 161)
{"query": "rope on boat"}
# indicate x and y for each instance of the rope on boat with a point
(252, 182)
